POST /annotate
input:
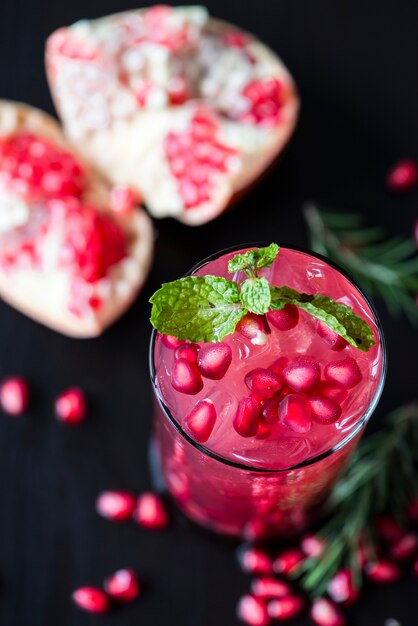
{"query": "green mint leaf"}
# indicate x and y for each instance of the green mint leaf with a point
(255, 295)
(253, 260)
(197, 308)
(337, 316)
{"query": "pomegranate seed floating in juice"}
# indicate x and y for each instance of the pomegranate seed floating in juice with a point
(263, 420)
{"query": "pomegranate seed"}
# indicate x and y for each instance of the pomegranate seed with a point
(382, 571)
(325, 613)
(254, 560)
(312, 545)
(295, 413)
(332, 391)
(171, 342)
(14, 395)
(150, 511)
(324, 410)
(70, 406)
(345, 372)
(341, 588)
(91, 599)
(122, 585)
(214, 360)
(285, 608)
(187, 351)
(246, 418)
(263, 382)
(253, 327)
(330, 337)
(186, 378)
(123, 199)
(405, 548)
(302, 374)
(286, 562)
(388, 529)
(117, 506)
(403, 176)
(252, 611)
(413, 511)
(285, 319)
(267, 588)
(270, 410)
(201, 420)
(278, 365)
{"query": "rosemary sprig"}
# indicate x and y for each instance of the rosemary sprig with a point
(384, 267)
(381, 477)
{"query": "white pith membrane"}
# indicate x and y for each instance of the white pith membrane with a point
(37, 274)
(124, 83)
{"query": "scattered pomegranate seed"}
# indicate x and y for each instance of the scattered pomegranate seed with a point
(70, 406)
(150, 511)
(332, 391)
(171, 342)
(117, 506)
(263, 382)
(341, 588)
(270, 410)
(123, 199)
(302, 374)
(403, 176)
(330, 337)
(382, 571)
(91, 599)
(388, 529)
(325, 613)
(186, 378)
(285, 319)
(246, 420)
(201, 420)
(405, 548)
(267, 588)
(324, 410)
(214, 360)
(345, 372)
(187, 351)
(312, 545)
(288, 561)
(253, 611)
(295, 413)
(14, 395)
(254, 560)
(122, 585)
(285, 608)
(253, 327)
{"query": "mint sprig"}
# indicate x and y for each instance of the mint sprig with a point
(208, 308)
(339, 317)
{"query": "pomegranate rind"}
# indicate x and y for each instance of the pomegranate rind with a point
(128, 147)
(41, 295)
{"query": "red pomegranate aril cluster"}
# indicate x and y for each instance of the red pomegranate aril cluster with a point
(195, 157)
(35, 168)
(265, 98)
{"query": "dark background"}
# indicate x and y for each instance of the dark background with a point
(356, 66)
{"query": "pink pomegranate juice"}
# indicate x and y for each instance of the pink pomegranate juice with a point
(253, 431)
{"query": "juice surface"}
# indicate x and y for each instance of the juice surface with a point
(279, 447)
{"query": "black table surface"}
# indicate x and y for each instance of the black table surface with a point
(356, 66)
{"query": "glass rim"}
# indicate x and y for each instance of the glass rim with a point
(319, 457)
